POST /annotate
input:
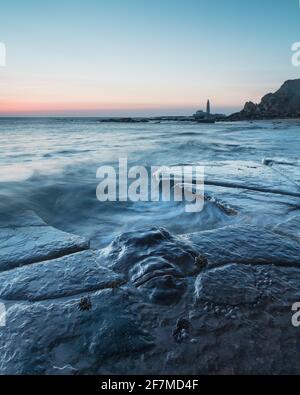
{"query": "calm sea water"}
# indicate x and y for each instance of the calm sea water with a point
(49, 166)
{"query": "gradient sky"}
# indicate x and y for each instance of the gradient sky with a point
(143, 57)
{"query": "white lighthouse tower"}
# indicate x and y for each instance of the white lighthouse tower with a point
(208, 107)
(204, 114)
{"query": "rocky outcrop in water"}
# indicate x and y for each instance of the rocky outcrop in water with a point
(285, 103)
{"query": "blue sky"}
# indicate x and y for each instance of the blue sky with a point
(116, 57)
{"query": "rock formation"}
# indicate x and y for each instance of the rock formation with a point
(151, 308)
(285, 103)
(216, 301)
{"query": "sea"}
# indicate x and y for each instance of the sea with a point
(49, 166)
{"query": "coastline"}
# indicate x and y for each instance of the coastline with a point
(222, 280)
(214, 301)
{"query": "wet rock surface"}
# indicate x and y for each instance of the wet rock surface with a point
(216, 302)
(155, 262)
(70, 275)
(26, 239)
(45, 337)
(239, 287)
(248, 244)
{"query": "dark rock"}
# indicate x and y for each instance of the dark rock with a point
(230, 285)
(44, 335)
(85, 304)
(246, 245)
(147, 119)
(155, 261)
(181, 332)
(113, 311)
(132, 248)
(31, 240)
(285, 103)
(164, 290)
(201, 262)
(57, 278)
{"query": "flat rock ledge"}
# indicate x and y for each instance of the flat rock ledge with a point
(212, 302)
(26, 239)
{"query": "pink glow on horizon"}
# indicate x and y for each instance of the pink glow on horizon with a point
(13, 106)
(8, 108)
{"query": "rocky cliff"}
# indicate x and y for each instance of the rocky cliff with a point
(285, 103)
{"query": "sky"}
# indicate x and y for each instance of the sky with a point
(143, 57)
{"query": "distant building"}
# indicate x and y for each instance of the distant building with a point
(204, 114)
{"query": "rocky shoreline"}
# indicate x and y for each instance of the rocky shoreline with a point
(147, 119)
(283, 104)
(214, 302)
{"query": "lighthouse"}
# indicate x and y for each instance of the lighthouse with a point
(208, 107)
(205, 116)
